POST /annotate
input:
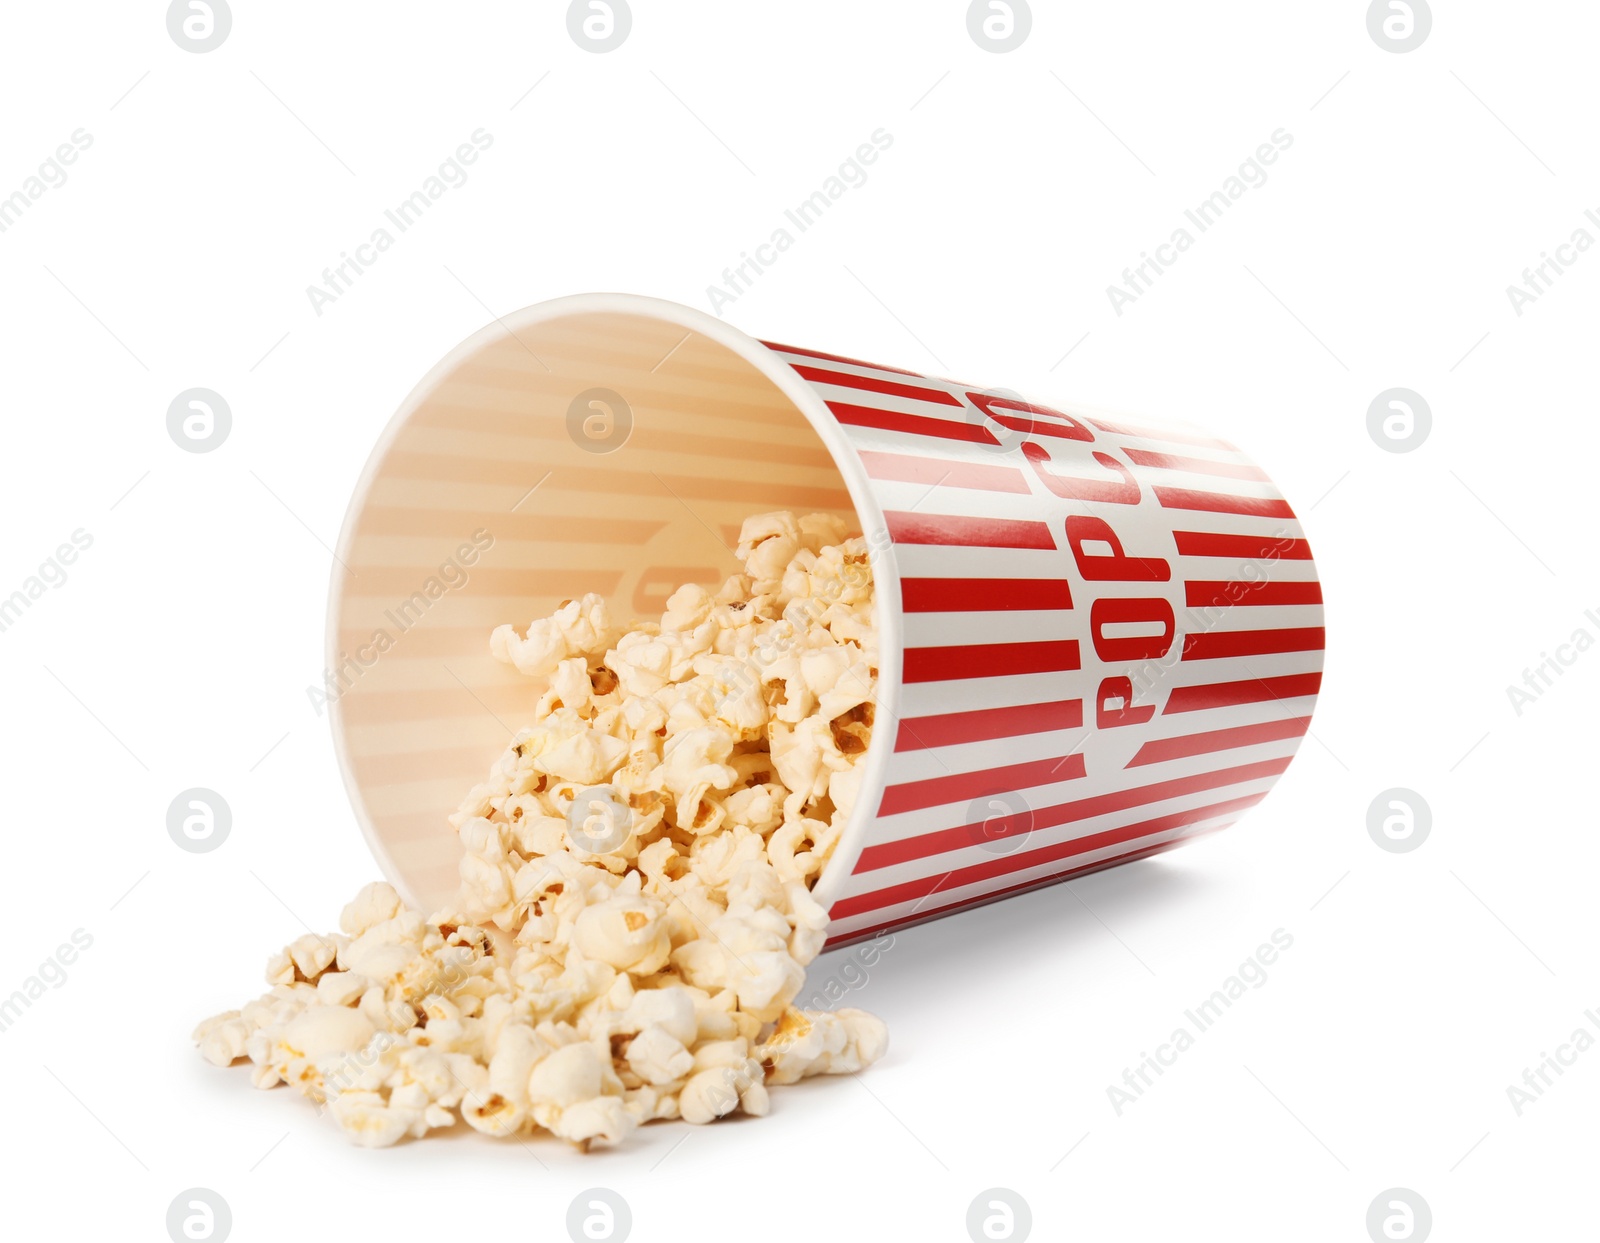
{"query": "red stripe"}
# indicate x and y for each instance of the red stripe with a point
(989, 660)
(961, 787)
(939, 472)
(1206, 595)
(950, 728)
(1195, 465)
(983, 595)
(1004, 865)
(1213, 740)
(835, 358)
(1250, 547)
(912, 424)
(1247, 691)
(892, 388)
(925, 915)
(1177, 438)
(1218, 646)
(921, 916)
(958, 530)
(1223, 503)
(887, 854)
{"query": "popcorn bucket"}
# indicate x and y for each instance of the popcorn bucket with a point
(1098, 638)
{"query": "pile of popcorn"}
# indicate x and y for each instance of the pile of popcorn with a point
(635, 912)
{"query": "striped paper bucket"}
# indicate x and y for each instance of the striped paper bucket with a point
(1099, 639)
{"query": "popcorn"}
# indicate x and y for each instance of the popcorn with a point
(577, 627)
(659, 1058)
(634, 917)
(708, 1095)
(223, 1038)
(822, 1042)
(626, 933)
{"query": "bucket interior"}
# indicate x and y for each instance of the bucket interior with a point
(508, 485)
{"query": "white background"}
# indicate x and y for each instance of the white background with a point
(1377, 254)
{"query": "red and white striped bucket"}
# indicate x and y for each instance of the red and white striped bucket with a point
(1098, 639)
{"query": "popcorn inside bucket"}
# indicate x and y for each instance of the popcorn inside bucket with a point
(634, 914)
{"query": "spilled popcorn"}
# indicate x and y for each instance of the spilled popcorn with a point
(635, 912)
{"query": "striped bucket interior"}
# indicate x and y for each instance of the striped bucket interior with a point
(488, 503)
